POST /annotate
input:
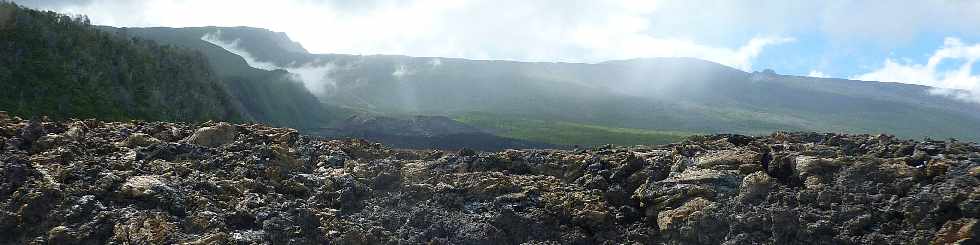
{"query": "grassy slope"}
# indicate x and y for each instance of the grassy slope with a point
(567, 133)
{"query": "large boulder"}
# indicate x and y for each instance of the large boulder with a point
(755, 186)
(214, 136)
(668, 219)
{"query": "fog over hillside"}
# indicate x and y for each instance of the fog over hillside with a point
(667, 94)
(918, 42)
(313, 74)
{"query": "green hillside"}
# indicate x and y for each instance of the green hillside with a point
(58, 65)
(61, 66)
(656, 94)
(567, 133)
(272, 97)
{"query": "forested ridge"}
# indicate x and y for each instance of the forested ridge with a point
(61, 66)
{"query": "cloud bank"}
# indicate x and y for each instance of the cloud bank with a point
(959, 82)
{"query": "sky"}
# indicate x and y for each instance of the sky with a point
(926, 42)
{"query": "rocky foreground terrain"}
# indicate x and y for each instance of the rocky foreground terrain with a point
(86, 181)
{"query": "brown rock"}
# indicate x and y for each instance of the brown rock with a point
(754, 186)
(139, 140)
(727, 159)
(49, 141)
(667, 218)
(214, 136)
(75, 132)
(218, 238)
(975, 172)
(60, 234)
(153, 228)
(137, 186)
(807, 165)
(936, 168)
(961, 231)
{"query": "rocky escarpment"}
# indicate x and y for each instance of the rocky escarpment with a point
(86, 181)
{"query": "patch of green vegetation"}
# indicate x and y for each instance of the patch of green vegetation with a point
(60, 66)
(567, 133)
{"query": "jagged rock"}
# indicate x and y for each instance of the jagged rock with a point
(139, 140)
(217, 135)
(669, 218)
(728, 159)
(75, 132)
(755, 186)
(218, 238)
(49, 141)
(67, 182)
(152, 228)
(807, 166)
(937, 167)
(152, 191)
(32, 131)
(138, 186)
(961, 231)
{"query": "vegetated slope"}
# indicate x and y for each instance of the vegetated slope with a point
(669, 94)
(273, 97)
(661, 94)
(558, 132)
(423, 132)
(57, 65)
(217, 183)
(263, 94)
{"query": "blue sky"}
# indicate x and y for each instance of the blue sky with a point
(870, 40)
(834, 59)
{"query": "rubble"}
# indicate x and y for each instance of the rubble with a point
(162, 183)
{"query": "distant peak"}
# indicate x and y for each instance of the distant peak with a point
(688, 62)
(262, 38)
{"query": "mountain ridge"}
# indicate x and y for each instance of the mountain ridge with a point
(676, 95)
(667, 93)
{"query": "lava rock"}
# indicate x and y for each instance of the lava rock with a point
(217, 135)
(92, 182)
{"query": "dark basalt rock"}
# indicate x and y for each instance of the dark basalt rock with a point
(83, 182)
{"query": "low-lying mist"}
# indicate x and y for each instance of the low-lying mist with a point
(314, 75)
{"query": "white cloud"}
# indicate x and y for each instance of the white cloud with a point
(401, 71)
(552, 30)
(314, 75)
(959, 82)
(815, 73)
(626, 40)
(729, 32)
(435, 62)
(233, 47)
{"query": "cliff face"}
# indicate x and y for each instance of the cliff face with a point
(86, 181)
